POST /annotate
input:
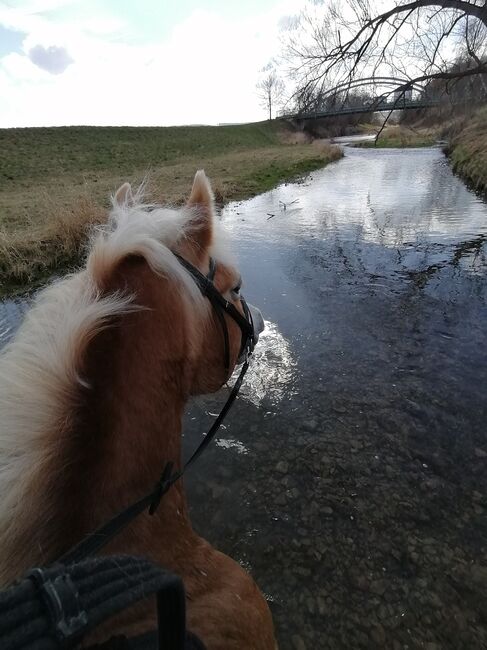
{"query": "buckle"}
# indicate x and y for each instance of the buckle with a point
(61, 597)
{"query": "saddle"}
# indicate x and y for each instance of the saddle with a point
(55, 608)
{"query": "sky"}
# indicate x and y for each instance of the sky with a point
(136, 62)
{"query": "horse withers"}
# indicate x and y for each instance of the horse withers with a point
(92, 393)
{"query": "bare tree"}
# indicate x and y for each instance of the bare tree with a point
(270, 90)
(417, 42)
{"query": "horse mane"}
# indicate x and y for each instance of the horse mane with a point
(40, 368)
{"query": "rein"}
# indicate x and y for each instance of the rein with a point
(105, 533)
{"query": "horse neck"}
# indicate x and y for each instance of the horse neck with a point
(130, 421)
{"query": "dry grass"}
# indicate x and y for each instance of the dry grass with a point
(468, 150)
(44, 227)
(401, 136)
(30, 254)
(327, 149)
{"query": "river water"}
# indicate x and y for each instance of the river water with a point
(351, 476)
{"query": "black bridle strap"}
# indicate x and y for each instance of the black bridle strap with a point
(226, 342)
(100, 537)
(211, 270)
(209, 290)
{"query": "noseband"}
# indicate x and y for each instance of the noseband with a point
(220, 305)
(101, 536)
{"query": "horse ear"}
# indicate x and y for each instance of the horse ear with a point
(124, 196)
(201, 199)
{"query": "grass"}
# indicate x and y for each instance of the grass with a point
(399, 136)
(468, 150)
(88, 150)
(55, 182)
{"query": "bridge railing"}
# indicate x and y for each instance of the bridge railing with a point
(372, 107)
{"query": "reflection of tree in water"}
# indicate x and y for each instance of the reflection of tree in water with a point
(420, 277)
(339, 266)
(472, 248)
(334, 258)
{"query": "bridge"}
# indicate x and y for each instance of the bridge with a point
(372, 107)
(401, 87)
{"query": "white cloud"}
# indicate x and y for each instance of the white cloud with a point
(205, 72)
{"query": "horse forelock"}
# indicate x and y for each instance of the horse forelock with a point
(146, 230)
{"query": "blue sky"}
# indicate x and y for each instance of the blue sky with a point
(135, 62)
(10, 41)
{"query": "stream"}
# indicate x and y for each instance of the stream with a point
(350, 477)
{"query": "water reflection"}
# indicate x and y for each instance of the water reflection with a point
(387, 197)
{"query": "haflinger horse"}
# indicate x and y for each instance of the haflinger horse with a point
(92, 393)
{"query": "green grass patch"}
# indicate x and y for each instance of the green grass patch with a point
(35, 153)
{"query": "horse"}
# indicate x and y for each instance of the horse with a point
(92, 392)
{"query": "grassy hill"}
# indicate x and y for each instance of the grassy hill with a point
(55, 182)
(29, 154)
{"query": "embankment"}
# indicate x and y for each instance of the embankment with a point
(467, 149)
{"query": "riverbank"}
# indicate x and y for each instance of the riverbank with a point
(467, 150)
(402, 137)
(55, 182)
(466, 137)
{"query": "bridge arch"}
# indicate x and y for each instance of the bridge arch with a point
(396, 82)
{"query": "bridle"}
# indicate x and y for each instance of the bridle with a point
(101, 536)
(221, 305)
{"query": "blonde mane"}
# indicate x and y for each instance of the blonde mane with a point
(39, 368)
